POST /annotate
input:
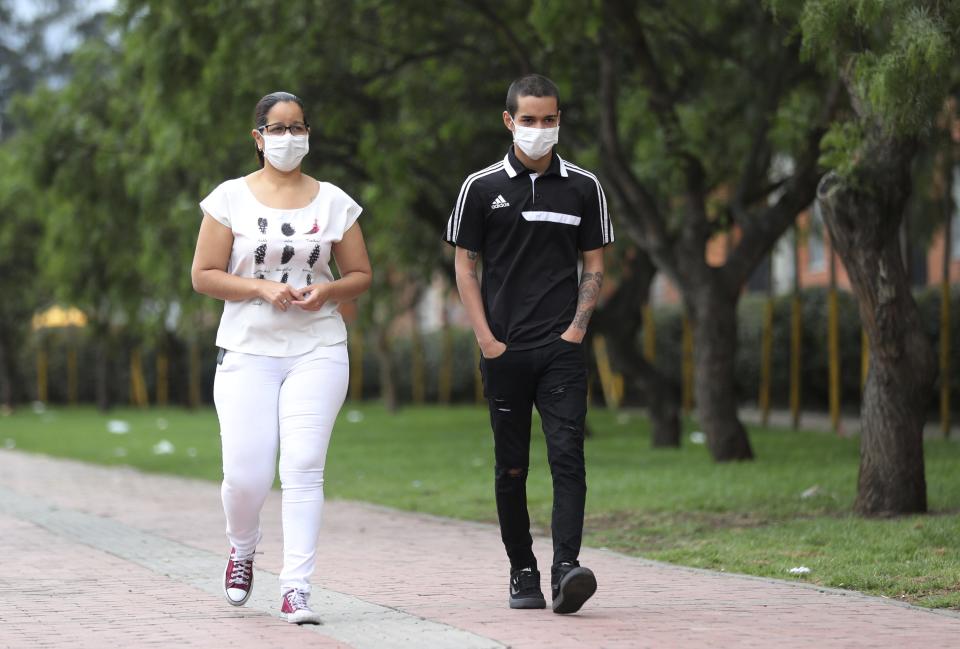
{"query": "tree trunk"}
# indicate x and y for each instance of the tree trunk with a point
(863, 215)
(714, 352)
(617, 321)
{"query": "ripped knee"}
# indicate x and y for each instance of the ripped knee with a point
(512, 473)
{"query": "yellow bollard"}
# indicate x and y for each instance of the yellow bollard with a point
(138, 384)
(796, 345)
(649, 335)
(610, 382)
(833, 344)
(766, 362)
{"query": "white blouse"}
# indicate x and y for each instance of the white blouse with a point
(290, 246)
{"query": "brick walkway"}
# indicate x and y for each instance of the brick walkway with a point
(98, 557)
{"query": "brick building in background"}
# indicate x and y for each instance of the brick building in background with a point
(925, 263)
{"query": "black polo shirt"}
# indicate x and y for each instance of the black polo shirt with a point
(528, 229)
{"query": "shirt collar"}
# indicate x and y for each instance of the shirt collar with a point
(513, 166)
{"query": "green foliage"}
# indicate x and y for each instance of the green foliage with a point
(841, 147)
(897, 58)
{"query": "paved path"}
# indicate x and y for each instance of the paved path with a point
(98, 557)
(820, 421)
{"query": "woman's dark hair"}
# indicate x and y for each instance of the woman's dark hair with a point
(531, 85)
(268, 102)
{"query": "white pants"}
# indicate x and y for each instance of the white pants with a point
(263, 401)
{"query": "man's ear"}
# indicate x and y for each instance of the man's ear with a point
(507, 121)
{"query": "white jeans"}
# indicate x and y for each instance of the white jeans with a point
(263, 401)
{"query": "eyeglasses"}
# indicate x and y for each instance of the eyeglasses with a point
(280, 129)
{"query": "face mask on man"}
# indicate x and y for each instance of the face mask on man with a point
(535, 142)
(284, 152)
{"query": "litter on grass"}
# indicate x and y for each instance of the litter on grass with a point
(799, 570)
(163, 447)
(118, 427)
(696, 437)
(354, 416)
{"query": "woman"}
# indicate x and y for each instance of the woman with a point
(264, 248)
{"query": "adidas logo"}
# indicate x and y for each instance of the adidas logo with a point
(499, 202)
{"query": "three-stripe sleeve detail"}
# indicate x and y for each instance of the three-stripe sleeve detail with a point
(453, 224)
(606, 226)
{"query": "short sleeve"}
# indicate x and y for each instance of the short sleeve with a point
(465, 226)
(346, 208)
(217, 205)
(595, 229)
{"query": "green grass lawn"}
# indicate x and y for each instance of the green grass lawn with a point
(671, 505)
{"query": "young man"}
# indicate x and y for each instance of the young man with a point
(529, 217)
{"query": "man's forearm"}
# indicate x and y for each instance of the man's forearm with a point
(587, 297)
(468, 285)
(588, 294)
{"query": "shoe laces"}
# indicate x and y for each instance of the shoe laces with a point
(527, 578)
(240, 574)
(296, 598)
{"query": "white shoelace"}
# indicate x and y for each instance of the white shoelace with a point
(297, 599)
(241, 572)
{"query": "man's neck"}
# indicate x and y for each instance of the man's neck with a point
(540, 166)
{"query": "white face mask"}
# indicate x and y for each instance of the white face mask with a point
(535, 142)
(284, 152)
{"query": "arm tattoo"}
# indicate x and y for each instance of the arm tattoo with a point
(473, 255)
(590, 284)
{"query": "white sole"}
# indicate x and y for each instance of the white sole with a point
(231, 601)
(303, 617)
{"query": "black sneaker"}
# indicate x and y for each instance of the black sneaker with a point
(525, 589)
(572, 585)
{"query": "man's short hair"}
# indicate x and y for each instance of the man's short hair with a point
(531, 85)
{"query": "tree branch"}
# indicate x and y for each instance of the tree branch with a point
(763, 227)
(517, 47)
(662, 104)
(646, 226)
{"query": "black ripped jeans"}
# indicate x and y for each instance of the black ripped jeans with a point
(554, 378)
